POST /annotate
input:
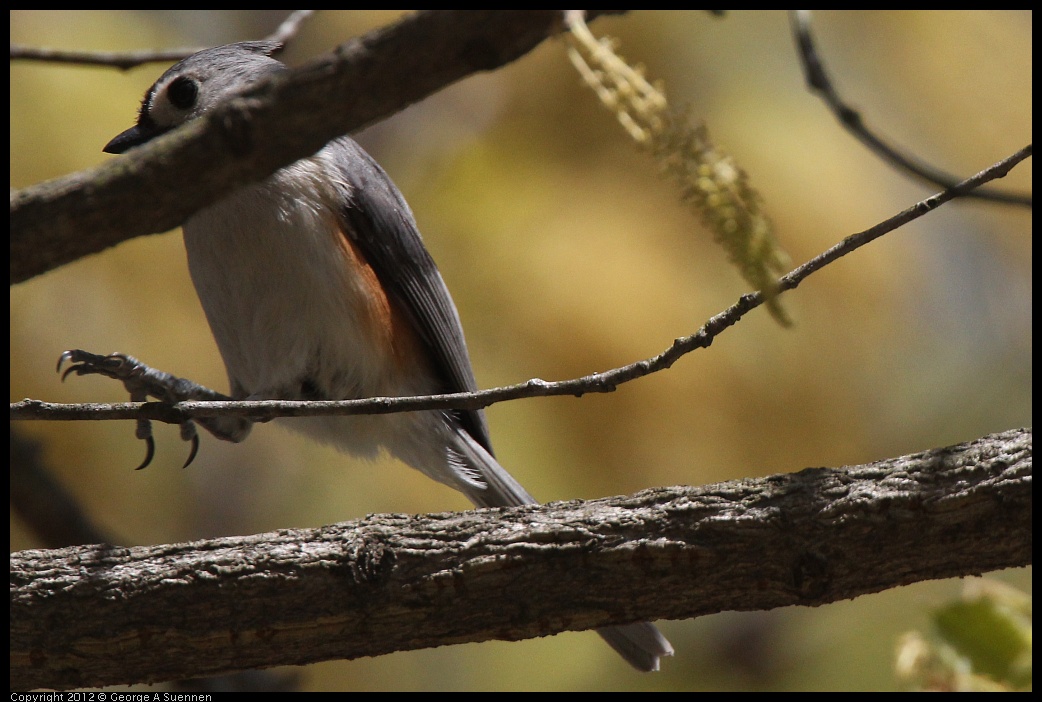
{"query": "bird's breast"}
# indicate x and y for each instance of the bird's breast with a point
(293, 304)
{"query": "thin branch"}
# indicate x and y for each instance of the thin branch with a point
(594, 383)
(397, 582)
(819, 82)
(124, 60)
(290, 26)
(156, 187)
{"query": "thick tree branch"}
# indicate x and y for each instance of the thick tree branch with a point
(156, 187)
(396, 582)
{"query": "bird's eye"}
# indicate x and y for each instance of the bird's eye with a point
(182, 92)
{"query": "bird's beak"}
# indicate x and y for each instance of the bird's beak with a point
(135, 136)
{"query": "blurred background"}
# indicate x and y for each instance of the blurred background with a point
(568, 254)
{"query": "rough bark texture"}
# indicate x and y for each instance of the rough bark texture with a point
(101, 615)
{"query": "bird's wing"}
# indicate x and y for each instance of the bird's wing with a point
(381, 226)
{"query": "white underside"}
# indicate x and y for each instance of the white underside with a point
(281, 306)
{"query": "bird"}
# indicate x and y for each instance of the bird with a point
(317, 285)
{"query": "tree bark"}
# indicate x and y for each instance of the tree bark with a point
(103, 615)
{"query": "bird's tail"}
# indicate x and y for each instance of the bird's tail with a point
(640, 644)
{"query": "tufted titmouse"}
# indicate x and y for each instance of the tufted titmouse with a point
(317, 285)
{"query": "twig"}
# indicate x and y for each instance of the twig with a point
(290, 26)
(594, 383)
(819, 82)
(114, 59)
(126, 60)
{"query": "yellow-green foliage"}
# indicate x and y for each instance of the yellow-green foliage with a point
(710, 180)
(981, 642)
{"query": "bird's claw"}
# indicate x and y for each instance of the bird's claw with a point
(130, 372)
(117, 366)
(150, 448)
(188, 433)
